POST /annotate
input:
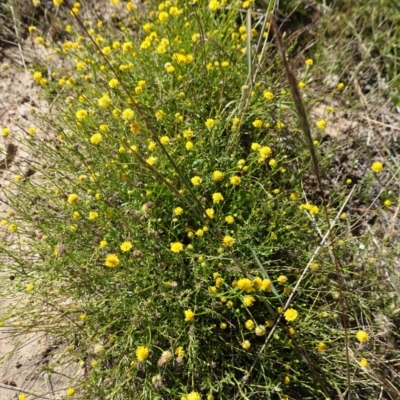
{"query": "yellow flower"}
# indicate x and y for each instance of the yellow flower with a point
(179, 351)
(196, 180)
(245, 284)
(260, 330)
(257, 123)
(29, 287)
(22, 396)
(112, 261)
(249, 324)
(377, 167)
(32, 131)
(268, 95)
(210, 213)
(5, 132)
(73, 198)
(218, 176)
(127, 114)
(291, 314)
(176, 247)
(235, 180)
(309, 62)
(246, 344)
(189, 315)
(282, 279)
(142, 352)
(81, 114)
(387, 203)
(265, 151)
(200, 233)
(188, 133)
(213, 5)
(301, 85)
(70, 392)
(193, 396)
(12, 228)
(228, 241)
(362, 336)
(57, 2)
(321, 346)
(210, 123)
(248, 300)
(103, 244)
(113, 83)
(178, 210)
(164, 140)
(93, 215)
(321, 124)
(126, 246)
(255, 146)
(229, 219)
(364, 362)
(127, 47)
(189, 145)
(96, 138)
(286, 380)
(340, 86)
(104, 101)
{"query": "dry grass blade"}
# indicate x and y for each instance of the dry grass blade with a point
(302, 115)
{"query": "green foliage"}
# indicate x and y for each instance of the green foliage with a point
(173, 220)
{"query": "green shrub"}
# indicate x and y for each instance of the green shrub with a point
(174, 232)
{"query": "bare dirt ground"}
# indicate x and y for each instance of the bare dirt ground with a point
(23, 356)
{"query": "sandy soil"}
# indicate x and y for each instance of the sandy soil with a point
(22, 355)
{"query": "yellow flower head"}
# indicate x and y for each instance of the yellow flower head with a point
(193, 396)
(210, 213)
(321, 346)
(176, 247)
(142, 352)
(321, 124)
(210, 123)
(178, 210)
(70, 392)
(249, 324)
(260, 330)
(218, 176)
(73, 198)
(228, 241)
(189, 315)
(196, 180)
(81, 114)
(291, 314)
(377, 167)
(96, 139)
(235, 180)
(364, 362)
(229, 219)
(112, 261)
(257, 123)
(268, 95)
(126, 246)
(282, 279)
(362, 336)
(248, 300)
(128, 115)
(246, 344)
(217, 197)
(245, 284)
